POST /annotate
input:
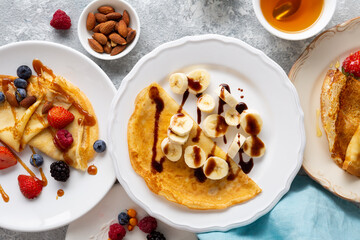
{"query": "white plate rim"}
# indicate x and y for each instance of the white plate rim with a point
(263, 58)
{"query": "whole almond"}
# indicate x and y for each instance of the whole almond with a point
(122, 28)
(28, 101)
(10, 97)
(106, 9)
(107, 48)
(107, 27)
(131, 35)
(97, 28)
(100, 18)
(126, 17)
(113, 16)
(90, 21)
(101, 38)
(118, 49)
(46, 107)
(129, 29)
(116, 38)
(116, 26)
(95, 45)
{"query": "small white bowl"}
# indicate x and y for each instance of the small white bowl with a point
(119, 6)
(325, 17)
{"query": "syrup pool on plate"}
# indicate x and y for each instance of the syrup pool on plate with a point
(285, 19)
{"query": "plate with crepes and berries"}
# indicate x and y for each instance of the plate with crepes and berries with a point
(327, 78)
(54, 166)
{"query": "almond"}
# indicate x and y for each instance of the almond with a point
(100, 18)
(122, 28)
(131, 36)
(97, 28)
(107, 27)
(28, 101)
(118, 49)
(129, 29)
(116, 38)
(107, 48)
(101, 38)
(113, 16)
(95, 45)
(116, 26)
(126, 17)
(113, 44)
(10, 97)
(90, 21)
(46, 107)
(106, 9)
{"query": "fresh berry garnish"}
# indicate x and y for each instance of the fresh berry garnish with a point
(2, 97)
(116, 232)
(131, 212)
(20, 83)
(147, 224)
(123, 218)
(351, 64)
(20, 94)
(36, 160)
(133, 221)
(30, 187)
(99, 146)
(60, 171)
(60, 20)
(63, 139)
(154, 235)
(59, 117)
(7, 159)
(24, 72)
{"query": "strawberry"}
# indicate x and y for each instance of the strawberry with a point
(30, 187)
(7, 159)
(351, 65)
(59, 117)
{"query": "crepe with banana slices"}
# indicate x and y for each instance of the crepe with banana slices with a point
(148, 127)
(30, 126)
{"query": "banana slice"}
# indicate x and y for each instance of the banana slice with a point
(178, 82)
(176, 138)
(214, 126)
(181, 124)
(215, 168)
(254, 147)
(251, 122)
(171, 150)
(198, 81)
(206, 103)
(232, 117)
(236, 145)
(194, 156)
(226, 96)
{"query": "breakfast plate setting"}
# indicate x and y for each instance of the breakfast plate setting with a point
(186, 130)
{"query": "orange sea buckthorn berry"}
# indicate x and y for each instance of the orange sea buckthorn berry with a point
(130, 227)
(131, 212)
(133, 221)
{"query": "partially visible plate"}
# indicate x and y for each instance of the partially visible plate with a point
(95, 224)
(82, 191)
(266, 88)
(327, 50)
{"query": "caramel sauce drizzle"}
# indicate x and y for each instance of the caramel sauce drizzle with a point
(92, 170)
(5, 197)
(39, 67)
(59, 193)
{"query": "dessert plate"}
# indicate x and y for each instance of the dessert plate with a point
(82, 191)
(327, 50)
(265, 88)
(95, 224)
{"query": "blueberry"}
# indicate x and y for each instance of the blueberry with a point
(99, 146)
(123, 218)
(24, 72)
(20, 94)
(2, 97)
(20, 83)
(36, 160)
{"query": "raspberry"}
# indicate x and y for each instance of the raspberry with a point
(63, 139)
(351, 64)
(60, 20)
(147, 224)
(116, 232)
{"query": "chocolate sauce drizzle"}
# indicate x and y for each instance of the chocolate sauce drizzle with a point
(245, 166)
(240, 107)
(199, 175)
(198, 110)
(185, 96)
(197, 136)
(222, 95)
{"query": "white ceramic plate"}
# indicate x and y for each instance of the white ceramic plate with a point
(95, 224)
(82, 191)
(308, 73)
(266, 88)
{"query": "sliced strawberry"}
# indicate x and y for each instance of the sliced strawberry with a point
(7, 159)
(30, 187)
(351, 64)
(59, 117)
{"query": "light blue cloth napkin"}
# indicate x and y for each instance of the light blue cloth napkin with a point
(307, 211)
